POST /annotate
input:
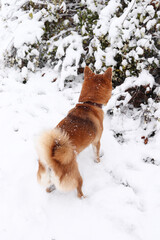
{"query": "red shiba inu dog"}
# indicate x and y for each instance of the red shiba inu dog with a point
(58, 148)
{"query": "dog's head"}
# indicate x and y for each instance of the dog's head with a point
(97, 88)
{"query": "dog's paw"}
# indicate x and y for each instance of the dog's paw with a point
(50, 189)
(97, 160)
(82, 197)
(101, 153)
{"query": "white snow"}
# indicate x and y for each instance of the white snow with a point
(150, 24)
(123, 191)
(103, 24)
(116, 23)
(139, 50)
(27, 32)
(71, 55)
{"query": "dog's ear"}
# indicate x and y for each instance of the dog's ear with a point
(108, 74)
(88, 72)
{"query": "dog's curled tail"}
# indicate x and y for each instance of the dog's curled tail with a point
(55, 144)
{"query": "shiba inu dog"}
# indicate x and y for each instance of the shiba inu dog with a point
(58, 148)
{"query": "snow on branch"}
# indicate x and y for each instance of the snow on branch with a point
(117, 23)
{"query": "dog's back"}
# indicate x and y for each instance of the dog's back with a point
(83, 124)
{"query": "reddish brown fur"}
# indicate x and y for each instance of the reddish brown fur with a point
(81, 127)
(96, 88)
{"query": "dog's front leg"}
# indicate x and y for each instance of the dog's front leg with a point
(79, 187)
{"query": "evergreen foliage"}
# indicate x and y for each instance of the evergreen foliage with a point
(72, 34)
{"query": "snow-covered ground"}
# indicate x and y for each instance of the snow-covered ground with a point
(123, 191)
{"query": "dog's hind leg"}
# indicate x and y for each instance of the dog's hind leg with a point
(50, 189)
(96, 149)
(79, 187)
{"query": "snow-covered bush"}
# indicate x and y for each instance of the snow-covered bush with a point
(43, 34)
(132, 37)
(67, 35)
(135, 107)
